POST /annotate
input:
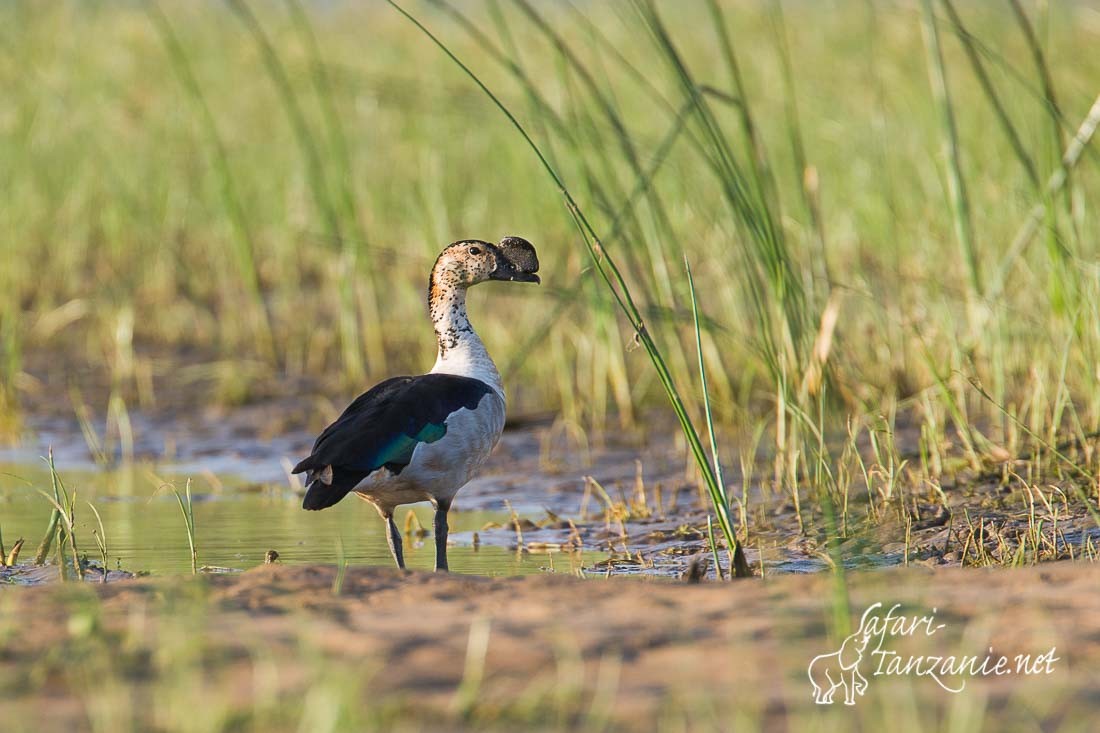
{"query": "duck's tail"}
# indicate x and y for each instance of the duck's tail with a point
(326, 485)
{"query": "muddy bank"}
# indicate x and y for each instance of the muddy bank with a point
(547, 651)
(628, 501)
(633, 504)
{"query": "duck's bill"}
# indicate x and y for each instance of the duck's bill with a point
(522, 260)
(509, 273)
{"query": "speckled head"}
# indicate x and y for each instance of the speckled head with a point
(461, 265)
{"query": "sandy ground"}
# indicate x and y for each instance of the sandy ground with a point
(276, 649)
(445, 652)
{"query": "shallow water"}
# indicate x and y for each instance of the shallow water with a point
(246, 503)
(236, 524)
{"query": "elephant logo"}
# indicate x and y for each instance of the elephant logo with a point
(840, 669)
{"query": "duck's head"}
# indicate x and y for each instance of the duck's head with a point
(472, 261)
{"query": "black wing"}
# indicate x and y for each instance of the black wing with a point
(382, 428)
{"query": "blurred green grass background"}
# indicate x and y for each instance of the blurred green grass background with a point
(875, 198)
(264, 186)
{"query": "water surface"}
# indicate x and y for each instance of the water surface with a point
(236, 523)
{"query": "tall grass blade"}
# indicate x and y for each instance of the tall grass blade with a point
(804, 173)
(1045, 79)
(244, 245)
(612, 276)
(318, 185)
(703, 381)
(187, 510)
(568, 298)
(960, 203)
(771, 277)
(761, 168)
(341, 158)
(717, 487)
(991, 95)
(1062, 285)
(1056, 183)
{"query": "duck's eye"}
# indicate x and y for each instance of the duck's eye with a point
(475, 250)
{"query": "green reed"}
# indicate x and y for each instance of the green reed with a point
(152, 184)
(187, 511)
(621, 292)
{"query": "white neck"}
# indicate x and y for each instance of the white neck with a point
(461, 351)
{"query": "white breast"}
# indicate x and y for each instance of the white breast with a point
(438, 470)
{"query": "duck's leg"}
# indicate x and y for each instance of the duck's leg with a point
(442, 506)
(394, 538)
